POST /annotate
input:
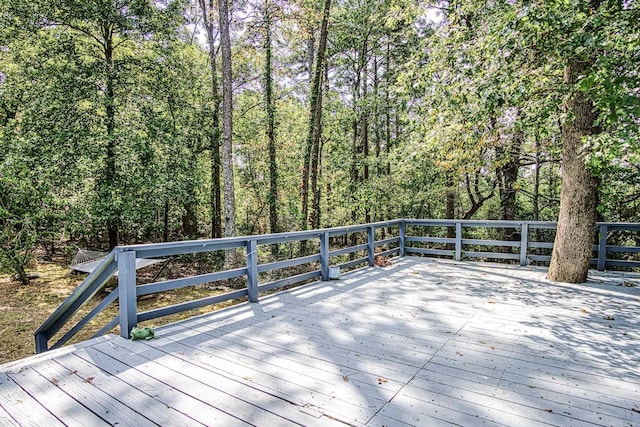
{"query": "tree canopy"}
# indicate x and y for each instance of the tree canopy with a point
(112, 126)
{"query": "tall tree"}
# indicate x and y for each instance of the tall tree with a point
(102, 36)
(227, 122)
(272, 197)
(207, 10)
(595, 61)
(315, 117)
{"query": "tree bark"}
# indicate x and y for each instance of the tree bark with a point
(315, 114)
(507, 172)
(577, 217)
(227, 123)
(110, 161)
(214, 141)
(272, 197)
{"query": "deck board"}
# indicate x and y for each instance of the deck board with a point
(424, 342)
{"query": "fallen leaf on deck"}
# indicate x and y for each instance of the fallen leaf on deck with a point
(608, 318)
(381, 380)
(583, 311)
(89, 380)
(54, 381)
(491, 302)
(459, 354)
(345, 378)
(247, 379)
(548, 410)
(73, 372)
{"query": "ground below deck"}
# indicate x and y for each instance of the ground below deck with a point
(424, 342)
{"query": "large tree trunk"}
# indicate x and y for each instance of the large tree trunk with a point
(577, 217)
(227, 124)
(214, 142)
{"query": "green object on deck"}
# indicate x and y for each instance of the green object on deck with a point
(142, 333)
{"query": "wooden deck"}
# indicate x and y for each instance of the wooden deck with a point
(423, 342)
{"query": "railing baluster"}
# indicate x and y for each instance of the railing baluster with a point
(127, 292)
(602, 247)
(402, 232)
(371, 239)
(252, 270)
(458, 240)
(524, 242)
(324, 256)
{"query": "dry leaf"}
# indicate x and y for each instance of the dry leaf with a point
(491, 302)
(459, 354)
(583, 311)
(548, 410)
(381, 380)
(88, 380)
(54, 381)
(248, 379)
(345, 378)
(73, 372)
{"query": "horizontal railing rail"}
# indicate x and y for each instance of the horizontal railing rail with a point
(531, 241)
(122, 260)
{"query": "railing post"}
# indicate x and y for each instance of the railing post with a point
(42, 343)
(402, 237)
(371, 247)
(252, 270)
(324, 256)
(127, 292)
(458, 241)
(524, 242)
(602, 247)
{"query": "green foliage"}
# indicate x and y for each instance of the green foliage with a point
(414, 112)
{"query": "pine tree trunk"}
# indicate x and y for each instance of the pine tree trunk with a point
(577, 217)
(272, 197)
(315, 114)
(214, 141)
(110, 160)
(227, 123)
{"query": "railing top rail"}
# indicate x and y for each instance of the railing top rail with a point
(479, 223)
(97, 278)
(212, 244)
(621, 225)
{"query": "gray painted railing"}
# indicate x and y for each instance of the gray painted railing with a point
(403, 241)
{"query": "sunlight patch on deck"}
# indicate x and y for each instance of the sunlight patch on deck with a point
(423, 342)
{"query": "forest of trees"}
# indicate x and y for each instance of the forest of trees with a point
(125, 121)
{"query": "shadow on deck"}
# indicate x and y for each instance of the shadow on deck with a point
(423, 342)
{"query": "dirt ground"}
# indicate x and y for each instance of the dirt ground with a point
(24, 308)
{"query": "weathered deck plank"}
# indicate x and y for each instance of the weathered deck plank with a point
(424, 343)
